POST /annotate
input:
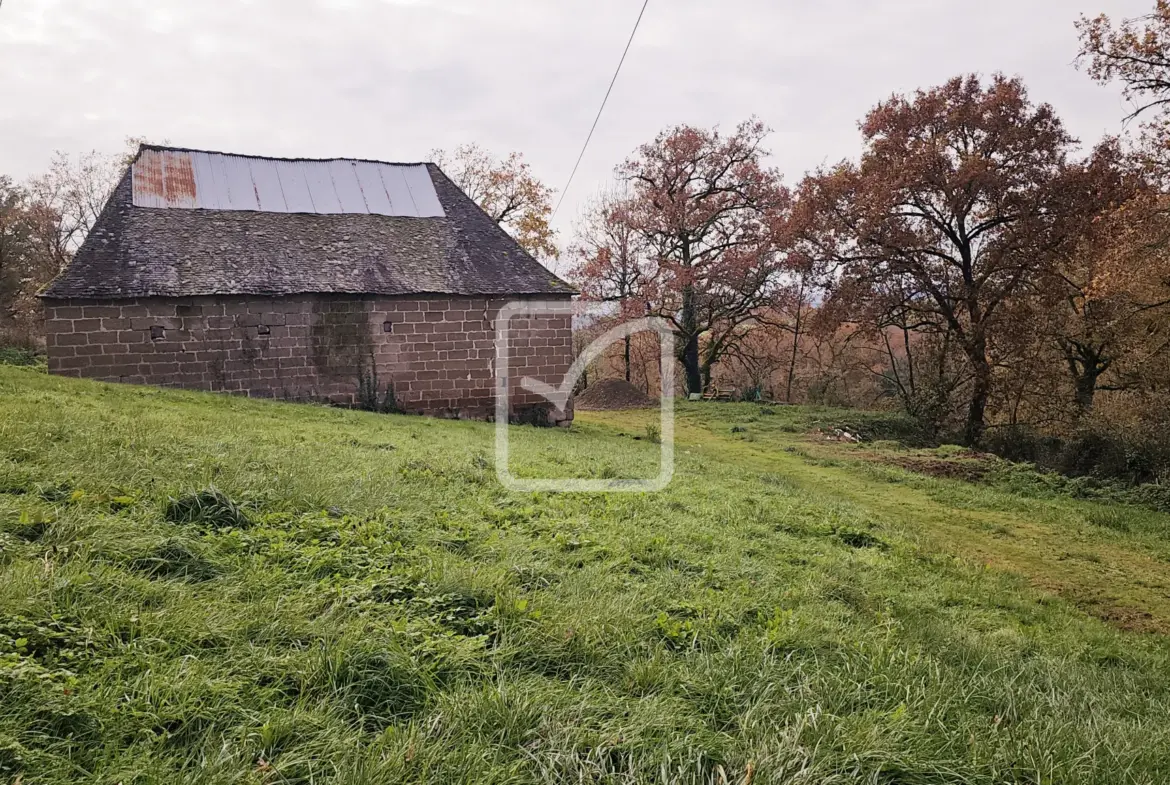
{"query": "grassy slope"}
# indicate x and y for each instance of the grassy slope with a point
(1111, 560)
(393, 615)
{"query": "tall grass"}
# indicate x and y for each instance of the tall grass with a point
(204, 589)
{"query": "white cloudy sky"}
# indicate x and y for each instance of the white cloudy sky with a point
(392, 79)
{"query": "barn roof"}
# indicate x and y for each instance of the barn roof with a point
(189, 222)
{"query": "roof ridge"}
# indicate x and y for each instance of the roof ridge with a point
(173, 148)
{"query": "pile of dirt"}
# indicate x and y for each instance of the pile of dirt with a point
(609, 394)
(967, 470)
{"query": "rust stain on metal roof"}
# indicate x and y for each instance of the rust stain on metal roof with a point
(179, 181)
(148, 178)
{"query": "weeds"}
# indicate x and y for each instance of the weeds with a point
(1109, 518)
(175, 559)
(859, 539)
(21, 356)
(209, 508)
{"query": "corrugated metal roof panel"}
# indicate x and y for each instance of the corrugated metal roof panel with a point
(266, 181)
(165, 179)
(241, 190)
(148, 180)
(218, 181)
(370, 180)
(397, 190)
(178, 181)
(206, 181)
(219, 170)
(296, 190)
(321, 189)
(349, 190)
(422, 191)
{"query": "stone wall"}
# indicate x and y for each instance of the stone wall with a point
(432, 355)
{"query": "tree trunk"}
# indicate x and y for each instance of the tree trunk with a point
(690, 361)
(792, 363)
(795, 344)
(1086, 364)
(690, 353)
(1086, 390)
(626, 357)
(909, 356)
(980, 392)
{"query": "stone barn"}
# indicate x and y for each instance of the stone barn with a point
(354, 282)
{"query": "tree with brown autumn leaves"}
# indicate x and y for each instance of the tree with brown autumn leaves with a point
(41, 224)
(507, 191)
(790, 314)
(1123, 255)
(17, 244)
(1135, 52)
(707, 209)
(1107, 284)
(949, 200)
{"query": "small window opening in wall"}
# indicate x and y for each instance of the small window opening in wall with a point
(263, 329)
(387, 327)
(157, 333)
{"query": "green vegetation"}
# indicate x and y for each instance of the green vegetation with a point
(207, 589)
(17, 355)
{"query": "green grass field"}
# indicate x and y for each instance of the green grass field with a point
(203, 589)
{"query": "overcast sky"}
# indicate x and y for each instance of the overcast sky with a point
(392, 79)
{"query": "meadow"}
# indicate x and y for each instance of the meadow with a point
(204, 589)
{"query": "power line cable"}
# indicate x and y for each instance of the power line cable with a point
(601, 109)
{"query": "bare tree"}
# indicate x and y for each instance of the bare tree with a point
(75, 189)
(610, 261)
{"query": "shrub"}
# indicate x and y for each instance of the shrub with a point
(390, 401)
(1126, 454)
(1036, 482)
(752, 392)
(17, 355)
(18, 347)
(1019, 443)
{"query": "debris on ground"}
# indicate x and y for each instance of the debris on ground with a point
(837, 435)
(611, 394)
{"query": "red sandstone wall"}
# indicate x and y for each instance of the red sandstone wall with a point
(436, 353)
